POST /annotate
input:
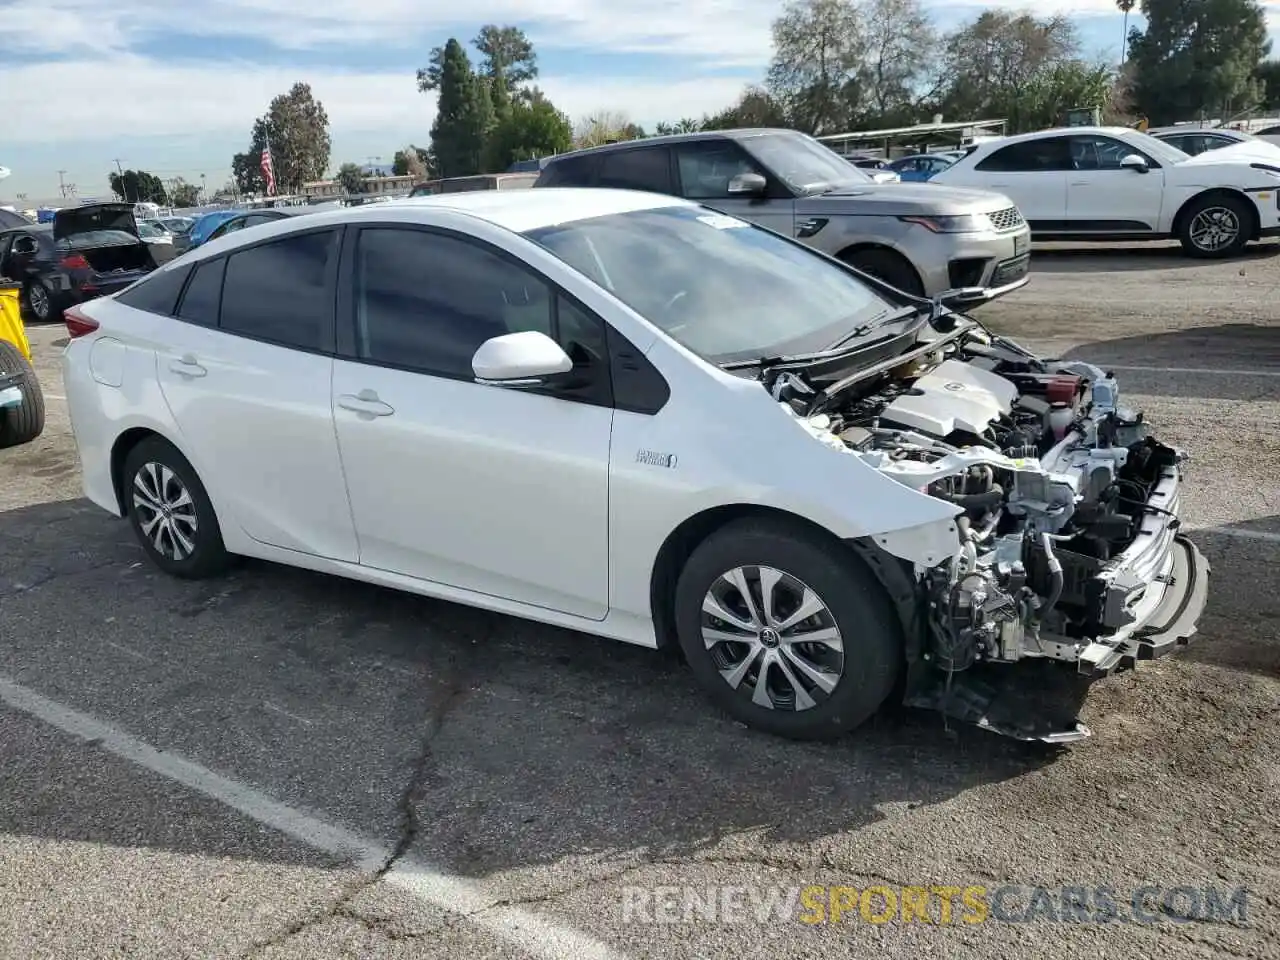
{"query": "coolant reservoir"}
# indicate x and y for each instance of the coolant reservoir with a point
(1061, 417)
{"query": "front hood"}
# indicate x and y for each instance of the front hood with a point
(69, 221)
(1235, 156)
(903, 199)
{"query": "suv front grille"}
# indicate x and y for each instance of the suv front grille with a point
(1008, 219)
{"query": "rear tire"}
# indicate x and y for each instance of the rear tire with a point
(808, 679)
(1216, 226)
(25, 422)
(170, 512)
(893, 268)
(37, 300)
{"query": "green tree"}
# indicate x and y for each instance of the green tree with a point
(297, 127)
(994, 63)
(818, 51)
(1197, 58)
(184, 194)
(464, 115)
(1268, 77)
(532, 128)
(351, 178)
(605, 126)
(412, 161)
(138, 186)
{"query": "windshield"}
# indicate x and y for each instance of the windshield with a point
(723, 288)
(801, 162)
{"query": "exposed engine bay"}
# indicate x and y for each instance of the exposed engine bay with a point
(1066, 505)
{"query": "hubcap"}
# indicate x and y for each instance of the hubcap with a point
(39, 300)
(166, 512)
(1214, 228)
(772, 638)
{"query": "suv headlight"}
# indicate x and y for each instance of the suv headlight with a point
(964, 223)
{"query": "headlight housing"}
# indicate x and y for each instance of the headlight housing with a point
(963, 223)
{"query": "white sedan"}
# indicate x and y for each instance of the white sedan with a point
(1114, 183)
(636, 417)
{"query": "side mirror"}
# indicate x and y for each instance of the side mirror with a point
(1135, 163)
(522, 359)
(748, 184)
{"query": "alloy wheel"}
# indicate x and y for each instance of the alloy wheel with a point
(772, 638)
(1214, 229)
(38, 300)
(165, 511)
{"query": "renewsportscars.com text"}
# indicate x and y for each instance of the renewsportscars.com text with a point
(936, 904)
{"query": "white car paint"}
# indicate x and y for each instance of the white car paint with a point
(355, 514)
(476, 490)
(1118, 201)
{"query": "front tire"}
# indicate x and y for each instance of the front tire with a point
(171, 513)
(786, 631)
(889, 266)
(1216, 226)
(25, 422)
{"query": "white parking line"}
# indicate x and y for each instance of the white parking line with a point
(1194, 370)
(530, 932)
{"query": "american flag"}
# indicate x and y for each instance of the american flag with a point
(268, 171)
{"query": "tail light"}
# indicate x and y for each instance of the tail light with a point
(75, 261)
(78, 323)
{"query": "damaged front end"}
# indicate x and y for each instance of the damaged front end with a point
(1067, 514)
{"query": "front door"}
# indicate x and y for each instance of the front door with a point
(1031, 173)
(496, 490)
(247, 376)
(1103, 196)
(706, 168)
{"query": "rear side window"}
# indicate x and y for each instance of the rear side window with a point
(281, 291)
(200, 302)
(1030, 156)
(570, 172)
(646, 168)
(158, 293)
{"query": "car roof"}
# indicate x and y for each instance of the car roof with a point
(514, 210)
(737, 133)
(1188, 128)
(1057, 132)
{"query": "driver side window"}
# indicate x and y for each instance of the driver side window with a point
(426, 301)
(1099, 153)
(707, 166)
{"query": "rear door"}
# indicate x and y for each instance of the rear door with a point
(1031, 173)
(706, 168)
(247, 374)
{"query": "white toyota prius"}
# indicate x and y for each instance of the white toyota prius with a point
(633, 416)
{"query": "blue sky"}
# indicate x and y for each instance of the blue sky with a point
(173, 87)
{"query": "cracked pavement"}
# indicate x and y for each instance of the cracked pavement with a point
(558, 776)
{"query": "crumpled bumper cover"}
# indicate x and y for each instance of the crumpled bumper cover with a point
(1173, 622)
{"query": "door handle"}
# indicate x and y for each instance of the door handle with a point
(365, 402)
(187, 367)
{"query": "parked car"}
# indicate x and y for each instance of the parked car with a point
(924, 241)
(1115, 183)
(639, 417)
(484, 181)
(874, 167)
(152, 231)
(1197, 140)
(922, 166)
(86, 252)
(180, 229)
(22, 412)
(206, 223)
(250, 218)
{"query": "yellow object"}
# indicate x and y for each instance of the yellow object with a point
(11, 328)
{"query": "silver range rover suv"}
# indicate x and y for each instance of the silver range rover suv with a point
(922, 238)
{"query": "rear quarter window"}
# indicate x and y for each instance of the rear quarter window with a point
(570, 172)
(158, 293)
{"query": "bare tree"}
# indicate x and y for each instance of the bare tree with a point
(901, 44)
(819, 48)
(601, 127)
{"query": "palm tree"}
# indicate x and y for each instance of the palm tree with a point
(1125, 7)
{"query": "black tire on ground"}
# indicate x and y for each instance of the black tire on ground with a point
(25, 422)
(1229, 210)
(893, 268)
(48, 313)
(208, 556)
(869, 631)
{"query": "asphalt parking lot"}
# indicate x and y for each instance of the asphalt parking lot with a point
(281, 764)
